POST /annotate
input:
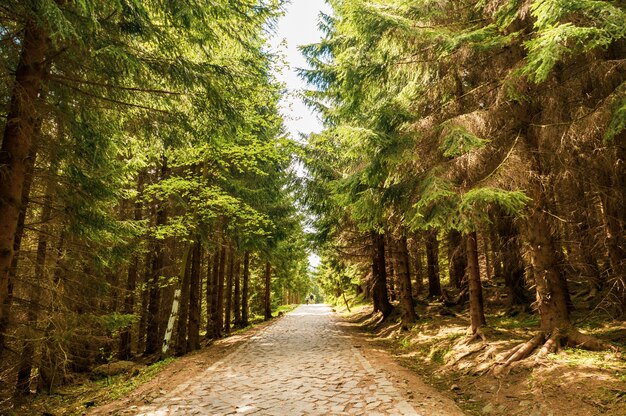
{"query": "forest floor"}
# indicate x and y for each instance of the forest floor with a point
(572, 382)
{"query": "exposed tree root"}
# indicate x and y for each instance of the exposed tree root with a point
(475, 335)
(550, 344)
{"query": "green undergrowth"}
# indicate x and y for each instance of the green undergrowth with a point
(76, 398)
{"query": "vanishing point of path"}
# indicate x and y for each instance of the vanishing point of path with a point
(304, 364)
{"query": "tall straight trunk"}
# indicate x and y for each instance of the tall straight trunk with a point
(125, 352)
(615, 243)
(193, 326)
(158, 259)
(245, 288)
(237, 294)
(497, 252)
(51, 362)
(391, 261)
(28, 351)
(17, 144)
(512, 262)
(169, 328)
(432, 263)
(457, 259)
(267, 299)
(403, 272)
(477, 314)
(183, 309)
(487, 254)
(379, 275)
(550, 283)
(212, 294)
(219, 295)
(145, 299)
(229, 290)
(418, 265)
(17, 243)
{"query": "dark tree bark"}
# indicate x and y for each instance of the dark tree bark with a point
(237, 294)
(50, 361)
(153, 341)
(512, 262)
(131, 282)
(379, 276)
(391, 261)
(229, 290)
(477, 314)
(244, 289)
(193, 328)
(212, 293)
(145, 299)
(219, 295)
(17, 243)
(27, 356)
(457, 259)
(17, 143)
(267, 298)
(418, 265)
(408, 314)
(550, 283)
(432, 263)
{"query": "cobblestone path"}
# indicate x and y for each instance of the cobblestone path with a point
(302, 365)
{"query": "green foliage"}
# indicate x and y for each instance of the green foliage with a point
(565, 28)
(617, 125)
(457, 140)
(116, 321)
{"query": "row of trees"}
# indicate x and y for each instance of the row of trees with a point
(142, 155)
(457, 128)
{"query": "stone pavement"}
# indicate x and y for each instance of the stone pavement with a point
(304, 364)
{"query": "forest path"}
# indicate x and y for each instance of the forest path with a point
(303, 364)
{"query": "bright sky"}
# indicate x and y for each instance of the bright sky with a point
(298, 27)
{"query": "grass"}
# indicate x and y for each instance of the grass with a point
(286, 308)
(122, 386)
(75, 399)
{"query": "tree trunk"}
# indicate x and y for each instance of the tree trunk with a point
(212, 292)
(193, 328)
(244, 289)
(50, 364)
(169, 329)
(432, 261)
(158, 258)
(28, 350)
(550, 282)
(16, 148)
(183, 309)
(237, 294)
(391, 261)
(512, 262)
(219, 295)
(457, 259)
(404, 282)
(418, 265)
(268, 292)
(477, 314)
(125, 352)
(229, 290)
(379, 275)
